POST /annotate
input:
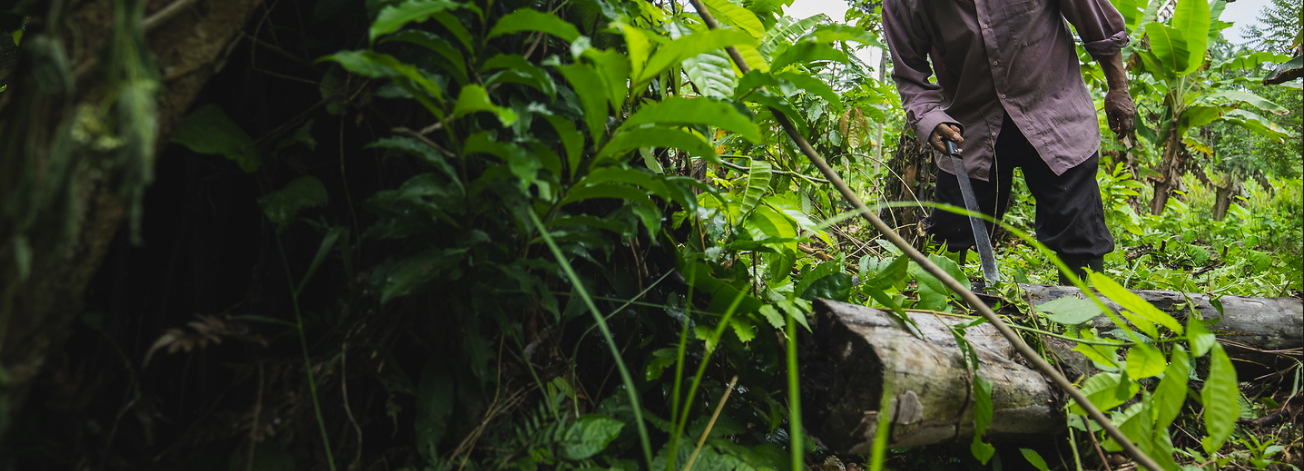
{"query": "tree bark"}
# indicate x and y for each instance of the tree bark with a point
(49, 254)
(1170, 171)
(1223, 198)
(858, 352)
(912, 177)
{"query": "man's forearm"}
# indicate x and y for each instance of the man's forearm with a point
(1115, 72)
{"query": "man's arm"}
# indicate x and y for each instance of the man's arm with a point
(921, 99)
(1119, 109)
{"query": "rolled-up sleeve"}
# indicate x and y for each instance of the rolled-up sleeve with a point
(1099, 24)
(921, 99)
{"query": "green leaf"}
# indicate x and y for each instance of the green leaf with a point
(1192, 19)
(731, 14)
(592, 92)
(1199, 336)
(1034, 459)
(674, 52)
(1070, 311)
(1221, 409)
(1170, 395)
(208, 130)
(807, 52)
(613, 67)
(525, 19)
(1106, 391)
(423, 151)
(1145, 360)
(1130, 301)
(841, 32)
(283, 205)
(571, 140)
(772, 315)
(814, 86)
(982, 419)
(416, 273)
(474, 98)
(1247, 98)
(637, 48)
(629, 139)
(758, 183)
(743, 328)
(454, 59)
(713, 73)
(1168, 45)
(678, 111)
(589, 435)
(394, 17)
(376, 65)
(1256, 123)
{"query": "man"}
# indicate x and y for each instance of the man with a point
(1010, 90)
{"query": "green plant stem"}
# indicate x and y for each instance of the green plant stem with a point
(951, 283)
(701, 369)
(307, 359)
(794, 395)
(679, 373)
(630, 388)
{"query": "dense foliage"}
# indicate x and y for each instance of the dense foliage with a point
(520, 235)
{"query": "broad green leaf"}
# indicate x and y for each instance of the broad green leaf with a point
(766, 223)
(836, 286)
(474, 98)
(416, 273)
(394, 17)
(1198, 116)
(806, 52)
(640, 179)
(455, 26)
(571, 140)
(814, 86)
(1101, 354)
(283, 206)
(1170, 395)
(743, 328)
(982, 419)
(1252, 61)
(455, 60)
(1070, 311)
(1250, 120)
(1130, 301)
(425, 152)
(1169, 47)
(753, 57)
(1034, 459)
(1247, 98)
(525, 19)
(589, 435)
(588, 84)
(840, 32)
(637, 47)
(1145, 360)
(1199, 336)
(713, 73)
(676, 51)
(731, 14)
(630, 139)
(786, 32)
(1106, 391)
(772, 316)
(678, 111)
(516, 69)
(609, 190)
(1220, 393)
(613, 67)
(1192, 19)
(208, 130)
(758, 183)
(376, 65)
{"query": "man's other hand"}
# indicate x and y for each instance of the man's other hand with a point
(1120, 111)
(952, 132)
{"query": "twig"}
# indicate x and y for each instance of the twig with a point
(166, 13)
(421, 137)
(777, 172)
(969, 297)
(709, 424)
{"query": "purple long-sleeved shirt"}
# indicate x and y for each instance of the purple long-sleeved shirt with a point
(1001, 56)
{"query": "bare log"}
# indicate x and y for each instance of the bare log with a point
(861, 350)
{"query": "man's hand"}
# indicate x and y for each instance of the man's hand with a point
(1120, 111)
(952, 132)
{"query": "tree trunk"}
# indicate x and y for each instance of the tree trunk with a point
(1223, 198)
(72, 191)
(911, 181)
(858, 352)
(1170, 171)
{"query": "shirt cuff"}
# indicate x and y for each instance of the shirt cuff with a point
(1108, 46)
(927, 123)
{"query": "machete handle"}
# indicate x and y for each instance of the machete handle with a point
(951, 149)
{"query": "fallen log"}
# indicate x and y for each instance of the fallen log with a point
(1264, 332)
(857, 352)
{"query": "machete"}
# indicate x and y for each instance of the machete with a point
(981, 241)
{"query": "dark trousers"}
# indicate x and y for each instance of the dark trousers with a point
(1070, 216)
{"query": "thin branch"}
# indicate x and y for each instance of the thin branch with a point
(166, 13)
(777, 172)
